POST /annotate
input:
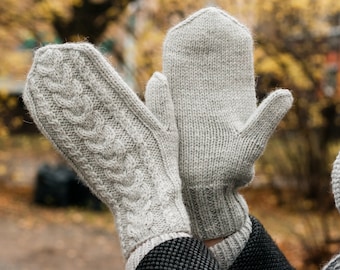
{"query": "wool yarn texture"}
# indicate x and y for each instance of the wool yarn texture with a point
(127, 157)
(336, 181)
(208, 61)
(334, 263)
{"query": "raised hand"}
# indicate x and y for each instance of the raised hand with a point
(125, 155)
(208, 61)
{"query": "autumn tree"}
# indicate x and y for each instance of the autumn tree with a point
(292, 45)
(30, 24)
(291, 48)
(88, 19)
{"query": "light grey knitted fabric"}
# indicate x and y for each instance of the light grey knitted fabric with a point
(227, 251)
(334, 264)
(125, 155)
(336, 181)
(208, 61)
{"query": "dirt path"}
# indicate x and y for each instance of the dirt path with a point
(34, 238)
(53, 247)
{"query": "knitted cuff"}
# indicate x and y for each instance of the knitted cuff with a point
(214, 211)
(230, 248)
(139, 253)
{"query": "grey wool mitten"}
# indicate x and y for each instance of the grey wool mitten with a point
(208, 61)
(127, 157)
(334, 263)
(336, 181)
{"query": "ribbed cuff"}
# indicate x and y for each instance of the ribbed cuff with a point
(228, 250)
(139, 253)
(215, 212)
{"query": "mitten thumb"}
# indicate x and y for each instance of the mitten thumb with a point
(267, 116)
(158, 100)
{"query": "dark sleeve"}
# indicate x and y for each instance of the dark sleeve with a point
(180, 253)
(260, 252)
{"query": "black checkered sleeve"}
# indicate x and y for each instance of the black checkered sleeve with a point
(179, 253)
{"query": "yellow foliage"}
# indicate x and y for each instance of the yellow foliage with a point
(11, 102)
(3, 130)
(313, 13)
(3, 168)
(274, 23)
(266, 64)
(267, 6)
(48, 8)
(7, 103)
(148, 57)
(16, 122)
(294, 72)
(3, 95)
(163, 14)
(15, 63)
(315, 119)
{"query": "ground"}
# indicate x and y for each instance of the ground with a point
(34, 237)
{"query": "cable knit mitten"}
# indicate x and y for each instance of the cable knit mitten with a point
(127, 157)
(208, 61)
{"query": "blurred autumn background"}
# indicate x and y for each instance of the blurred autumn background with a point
(297, 46)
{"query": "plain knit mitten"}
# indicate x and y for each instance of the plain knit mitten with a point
(208, 61)
(334, 264)
(336, 181)
(127, 157)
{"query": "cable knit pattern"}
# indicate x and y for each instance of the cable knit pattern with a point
(120, 150)
(208, 60)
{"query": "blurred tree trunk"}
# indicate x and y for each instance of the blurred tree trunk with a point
(89, 19)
